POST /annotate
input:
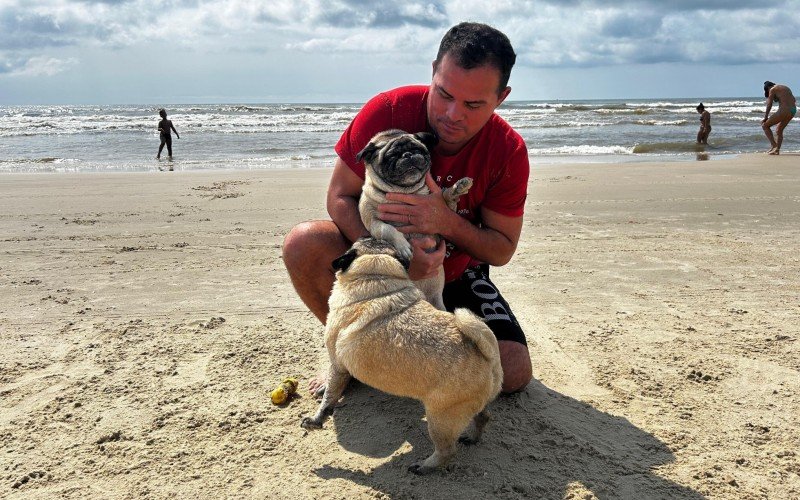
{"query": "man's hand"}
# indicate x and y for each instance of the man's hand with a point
(425, 214)
(424, 264)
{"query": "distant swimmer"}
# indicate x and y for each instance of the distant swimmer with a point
(164, 127)
(787, 108)
(705, 124)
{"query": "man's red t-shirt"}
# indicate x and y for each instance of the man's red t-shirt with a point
(496, 159)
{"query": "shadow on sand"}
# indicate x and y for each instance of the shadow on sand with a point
(539, 444)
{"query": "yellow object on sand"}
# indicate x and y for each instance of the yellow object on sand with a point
(284, 391)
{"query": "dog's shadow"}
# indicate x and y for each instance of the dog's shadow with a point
(538, 444)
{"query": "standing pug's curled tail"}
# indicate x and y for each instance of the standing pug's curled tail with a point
(476, 330)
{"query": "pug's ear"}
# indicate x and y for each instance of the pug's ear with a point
(428, 139)
(367, 153)
(343, 263)
(406, 263)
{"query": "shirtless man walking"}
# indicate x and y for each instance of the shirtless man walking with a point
(787, 108)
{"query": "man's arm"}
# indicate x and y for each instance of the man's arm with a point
(344, 191)
(173, 128)
(494, 242)
(769, 104)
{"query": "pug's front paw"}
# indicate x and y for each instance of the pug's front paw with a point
(461, 187)
(311, 423)
(403, 248)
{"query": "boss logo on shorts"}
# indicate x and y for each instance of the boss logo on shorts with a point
(491, 309)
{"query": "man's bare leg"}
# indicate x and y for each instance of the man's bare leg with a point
(779, 134)
(767, 127)
(308, 251)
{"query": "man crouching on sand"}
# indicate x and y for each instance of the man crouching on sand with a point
(470, 77)
(787, 108)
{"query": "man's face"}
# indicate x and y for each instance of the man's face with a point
(461, 101)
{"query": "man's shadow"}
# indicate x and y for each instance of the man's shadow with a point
(538, 444)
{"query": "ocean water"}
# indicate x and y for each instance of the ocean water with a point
(263, 136)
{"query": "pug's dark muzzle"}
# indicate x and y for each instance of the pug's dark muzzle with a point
(408, 168)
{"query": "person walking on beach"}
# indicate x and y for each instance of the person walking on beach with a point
(787, 108)
(469, 81)
(705, 124)
(164, 127)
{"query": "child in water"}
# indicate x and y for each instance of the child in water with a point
(164, 127)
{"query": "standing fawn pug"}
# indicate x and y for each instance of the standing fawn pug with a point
(381, 330)
(397, 162)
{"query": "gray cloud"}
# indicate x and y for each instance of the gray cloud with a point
(629, 25)
(548, 33)
(389, 16)
(34, 66)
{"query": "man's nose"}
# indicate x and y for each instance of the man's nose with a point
(454, 112)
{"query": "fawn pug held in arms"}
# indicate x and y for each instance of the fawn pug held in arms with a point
(397, 162)
(381, 330)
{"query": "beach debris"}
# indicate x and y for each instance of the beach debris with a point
(37, 474)
(214, 322)
(284, 392)
(112, 436)
(698, 376)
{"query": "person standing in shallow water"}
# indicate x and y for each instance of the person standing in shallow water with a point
(164, 127)
(705, 124)
(787, 108)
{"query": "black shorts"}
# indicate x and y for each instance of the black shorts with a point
(477, 293)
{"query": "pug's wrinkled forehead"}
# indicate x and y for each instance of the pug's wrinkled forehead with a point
(381, 140)
(387, 137)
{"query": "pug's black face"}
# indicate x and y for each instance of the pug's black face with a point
(398, 158)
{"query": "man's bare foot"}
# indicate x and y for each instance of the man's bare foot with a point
(316, 386)
(775, 151)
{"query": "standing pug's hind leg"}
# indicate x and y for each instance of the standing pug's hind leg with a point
(444, 428)
(337, 381)
(473, 433)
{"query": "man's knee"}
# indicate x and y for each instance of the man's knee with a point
(312, 244)
(298, 239)
(516, 362)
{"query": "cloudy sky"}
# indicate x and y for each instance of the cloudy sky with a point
(195, 51)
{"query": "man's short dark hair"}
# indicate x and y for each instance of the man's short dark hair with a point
(162, 112)
(473, 45)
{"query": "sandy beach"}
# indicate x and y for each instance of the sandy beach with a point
(145, 317)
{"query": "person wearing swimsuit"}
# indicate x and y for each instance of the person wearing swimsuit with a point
(787, 108)
(164, 127)
(705, 124)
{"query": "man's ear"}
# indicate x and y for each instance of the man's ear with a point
(503, 95)
(367, 153)
(343, 263)
(428, 139)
